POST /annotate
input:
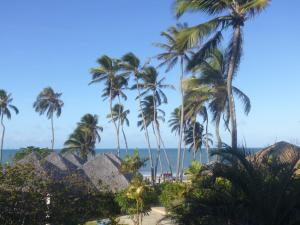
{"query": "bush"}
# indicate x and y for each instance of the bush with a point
(137, 199)
(72, 202)
(172, 194)
(243, 190)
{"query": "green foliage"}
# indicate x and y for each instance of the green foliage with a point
(172, 194)
(194, 170)
(84, 138)
(42, 152)
(137, 199)
(5, 104)
(72, 202)
(22, 196)
(75, 204)
(49, 102)
(132, 164)
(263, 191)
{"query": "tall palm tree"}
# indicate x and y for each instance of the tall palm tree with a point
(196, 97)
(84, 138)
(119, 114)
(170, 57)
(151, 84)
(175, 124)
(213, 74)
(5, 106)
(109, 72)
(131, 63)
(89, 123)
(80, 141)
(194, 136)
(151, 119)
(227, 14)
(49, 102)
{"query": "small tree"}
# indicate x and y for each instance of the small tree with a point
(135, 200)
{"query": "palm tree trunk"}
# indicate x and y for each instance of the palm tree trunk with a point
(232, 63)
(146, 132)
(219, 140)
(125, 139)
(200, 155)
(182, 161)
(2, 137)
(165, 153)
(52, 128)
(114, 122)
(156, 133)
(119, 123)
(158, 151)
(206, 141)
(181, 120)
(194, 140)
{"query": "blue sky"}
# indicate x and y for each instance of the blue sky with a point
(55, 43)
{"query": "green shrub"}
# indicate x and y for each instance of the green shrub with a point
(137, 199)
(172, 193)
(72, 202)
(243, 190)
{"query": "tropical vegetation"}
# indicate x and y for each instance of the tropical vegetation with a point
(84, 138)
(5, 107)
(231, 186)
(242, 189)
(49, 102)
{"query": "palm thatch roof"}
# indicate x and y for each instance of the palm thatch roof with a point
(34, 160)
(74, 159)
(103, 171)
(283, 151)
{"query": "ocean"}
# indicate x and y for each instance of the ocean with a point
(172, 154)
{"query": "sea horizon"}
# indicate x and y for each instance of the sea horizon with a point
(8, 155)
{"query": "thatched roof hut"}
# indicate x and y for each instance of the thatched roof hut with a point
(103, 170)
(281, 150)
(35, 160)
(100, 172)
(74, 159)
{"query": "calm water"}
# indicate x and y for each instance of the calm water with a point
(172, 154)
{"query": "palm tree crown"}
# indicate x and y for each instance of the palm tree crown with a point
(48, 102)
(5, 107)
(89, 122)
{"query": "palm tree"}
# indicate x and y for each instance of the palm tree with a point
(80, 141)
(130, 63)
(194, 137)
(174, 53)
(84, 138)
(119, 114)
(89, 123)
(108, 71)
(221, 193)
(151, 119)
(5, 106)
(231, 13)
(153, 85)
(213, 74)
(175, 124)
(49, 102)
